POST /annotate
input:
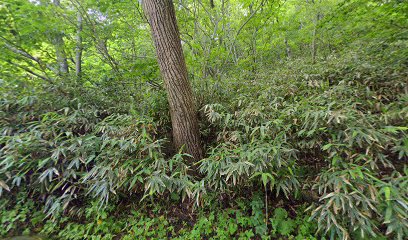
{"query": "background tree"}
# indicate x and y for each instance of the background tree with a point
(59, 48)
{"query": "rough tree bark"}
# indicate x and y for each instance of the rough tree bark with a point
(166, 36)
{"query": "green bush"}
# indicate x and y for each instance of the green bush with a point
(74, 152)
(332, 135)
(112, 222)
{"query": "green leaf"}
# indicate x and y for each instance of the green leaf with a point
(4, 185)
(388, 215)
(327, 146)
(387, 193)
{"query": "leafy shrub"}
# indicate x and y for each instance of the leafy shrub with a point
(66, 154)
(113, 222)
(350, 125)
(339, 135)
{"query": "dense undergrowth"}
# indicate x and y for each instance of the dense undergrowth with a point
(330, 137)
(302, 106)
(241, 219)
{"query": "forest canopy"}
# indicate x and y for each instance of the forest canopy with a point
(204, 119)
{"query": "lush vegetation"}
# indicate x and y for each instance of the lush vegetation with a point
(302, 108)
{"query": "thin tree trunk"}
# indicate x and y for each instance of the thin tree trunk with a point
(59, 48)
(254, 53)
(166, 36)
(100, 43)
(212, 3)
(78, 54)
(223, 22)
(288, 52)
(314, 50)
(314, 45)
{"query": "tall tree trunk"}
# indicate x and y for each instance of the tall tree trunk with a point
(166, 36)
(59, 48)
(78, 50)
